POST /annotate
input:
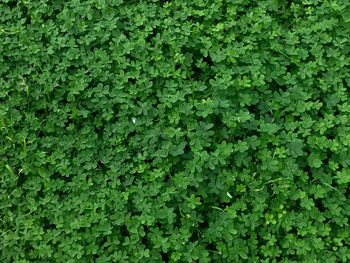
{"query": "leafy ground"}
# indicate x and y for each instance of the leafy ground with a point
(174, 131)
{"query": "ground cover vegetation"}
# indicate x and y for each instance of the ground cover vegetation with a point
(174, 131)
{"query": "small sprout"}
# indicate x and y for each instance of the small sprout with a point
(229, 195)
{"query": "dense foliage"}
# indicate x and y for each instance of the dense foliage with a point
(174, 131)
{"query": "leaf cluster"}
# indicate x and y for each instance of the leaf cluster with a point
(174, 131)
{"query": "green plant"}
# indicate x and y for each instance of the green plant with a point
(174, 131)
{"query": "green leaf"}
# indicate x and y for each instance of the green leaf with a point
(295, 147)
(314, 160)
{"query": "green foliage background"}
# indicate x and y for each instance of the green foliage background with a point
(174, 131)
